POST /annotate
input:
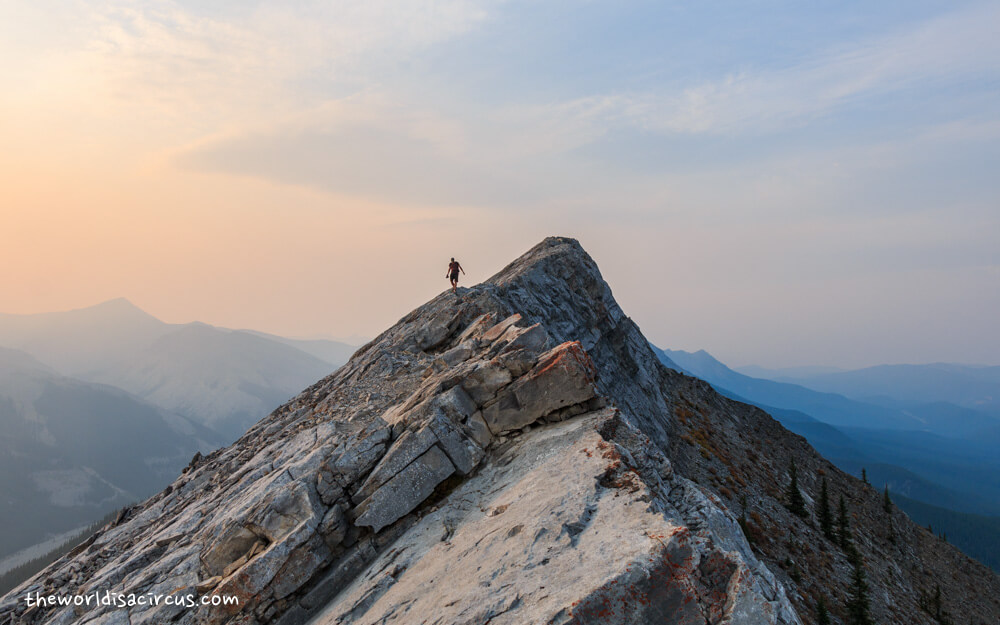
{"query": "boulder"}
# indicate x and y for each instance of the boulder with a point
(564, 376)
(405, 450)
(405, 491)
(477, 328)
(478, 430)
(497, 331)
(483, 382)
(463, 452)
(533, 338)
(235, 542)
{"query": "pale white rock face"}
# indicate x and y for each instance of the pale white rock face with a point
(535, 537)
(497, 456)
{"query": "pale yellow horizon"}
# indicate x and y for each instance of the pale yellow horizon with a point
(308, 168)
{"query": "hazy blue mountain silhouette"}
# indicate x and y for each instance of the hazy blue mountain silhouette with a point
(975, 387)
(103, 405)
(827, 407)
(70, 451)
(952, 482)
(223, 379)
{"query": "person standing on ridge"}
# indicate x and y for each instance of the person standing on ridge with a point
(453, 268)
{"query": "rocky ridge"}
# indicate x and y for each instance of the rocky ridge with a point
(512, 455)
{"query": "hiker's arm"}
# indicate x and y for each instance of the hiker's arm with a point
(460, 267)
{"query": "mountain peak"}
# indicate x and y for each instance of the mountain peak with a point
(117, 303)
(118, 306)
(478, 461)
(15, 359)
(553, 256)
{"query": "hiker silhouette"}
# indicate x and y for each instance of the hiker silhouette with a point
(453, 268)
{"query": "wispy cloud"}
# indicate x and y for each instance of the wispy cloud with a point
(744, 179)
(156, 59)
(945, 50)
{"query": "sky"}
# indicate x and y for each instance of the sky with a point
(779, 183)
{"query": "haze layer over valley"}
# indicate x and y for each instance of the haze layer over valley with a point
(102, 406)
(928, 433)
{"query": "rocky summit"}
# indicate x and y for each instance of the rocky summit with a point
(513, 454)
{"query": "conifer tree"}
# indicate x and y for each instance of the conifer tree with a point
(937, 607)
(887, 506)
(864, 475)
(843, 526)
(858, 607)
(824, 513)
(742, 520)
(822, 614)
(934, 606)
(796, 504)
(936, 610)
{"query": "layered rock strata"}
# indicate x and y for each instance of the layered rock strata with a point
(497, 457)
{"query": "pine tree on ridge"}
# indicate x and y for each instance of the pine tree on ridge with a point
(796, 503)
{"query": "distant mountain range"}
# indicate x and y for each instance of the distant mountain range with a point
(973, 387)
(220, 378)
(102, 406)
(70, 450)
(927, 431)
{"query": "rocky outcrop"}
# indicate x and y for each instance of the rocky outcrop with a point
(505, 456)
(570, 524)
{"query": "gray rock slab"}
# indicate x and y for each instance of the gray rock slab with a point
(478, 430)
(360, 456)
(561, 378)
(406, 490)
(534, 338)
(497, 331)
(535, 538)
(479, 325)
(456, 403)
(458, 354)
(463, 452)
(434, 331)
(483, 382)
(403, 451)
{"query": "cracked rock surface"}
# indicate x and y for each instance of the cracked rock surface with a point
(500, 456)
(561, 528)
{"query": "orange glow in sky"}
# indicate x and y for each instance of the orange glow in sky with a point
(308, 168)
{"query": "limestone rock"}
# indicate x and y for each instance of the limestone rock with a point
(563, 377)
(454, 471)
(235, 543)
(463, 452)
(497, 331)
(482, 383)
(405, 490)
(529, 543)
(407, 448)
(333, 528)
(478, 430)
(532, 338)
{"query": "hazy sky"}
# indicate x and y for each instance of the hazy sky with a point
(779, 183)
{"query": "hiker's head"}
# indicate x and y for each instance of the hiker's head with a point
(452, 260)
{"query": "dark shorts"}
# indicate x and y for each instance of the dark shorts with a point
(454, 276)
